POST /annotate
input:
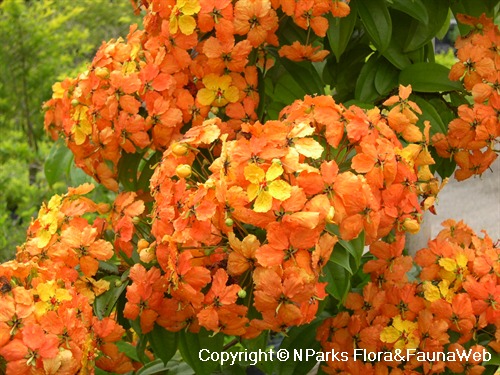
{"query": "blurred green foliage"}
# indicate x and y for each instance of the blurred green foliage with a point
(42, 41)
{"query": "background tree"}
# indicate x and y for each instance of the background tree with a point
(42, 41)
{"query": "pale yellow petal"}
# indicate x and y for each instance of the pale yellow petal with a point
(264, 202)
(309, 148)
(254, 174)
(280, 190)
(274, 171)
(252, 191)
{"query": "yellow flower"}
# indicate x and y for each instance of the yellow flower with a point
(218, 91)
(58, 91)
(48, 219)
(264, 186)
(182, 16)
(50, 296)
(82, 127)
(454, 268)
(401, 333)
(442, 290)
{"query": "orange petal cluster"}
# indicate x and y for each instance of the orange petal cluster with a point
(452, 302)
(472, 137)
(141, 91)
(47, 323)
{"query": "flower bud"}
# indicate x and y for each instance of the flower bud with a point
(242, 293)
(180, 149)
(411, 226)
(183, 171)
(142, 244)
(102, 72)
(229, 222)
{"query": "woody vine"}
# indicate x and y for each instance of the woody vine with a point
(251, 150)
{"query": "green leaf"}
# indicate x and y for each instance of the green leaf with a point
(77, 176)
(386, 77)
(105, 303)
(302, 341)
(444, 167)
(355, 247)
(287, 90)
(175, 366)
(338, 279)
(365, 86)
(446, 26)
(414, 8)
(147, 171)
(340, 30)
(428, 77)
(305, 75)
(394, 54)
(429, 113)
(377, 22)
(141, 343)
(163, 342)
(154, 367)
(341, 257)
(190, 346)
(421, 33)
(128, 349)
(58, 162)
(127, 170)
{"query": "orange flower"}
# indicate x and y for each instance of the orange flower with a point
(255, 19)
(299, 52)
(308, 14)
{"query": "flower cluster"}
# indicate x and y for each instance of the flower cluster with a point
(472, 136)
(451, 307)
(192, 58)
(254, 217)
(47, 323)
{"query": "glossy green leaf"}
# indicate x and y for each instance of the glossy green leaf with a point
(377, 22)
(365, 86)
(287, 90)
(174, 367)
(446, 26)
(302, 341)
(58, 163)
(305, 75)
(105, 303)
(128, 169)
(386, 77)
(163, 342)
(429, 113)
(414, 8)
(395, 55)
(147, 171)
(142, 343)
(128, 349)
(340, 30)
(341, 257)
(420, 33)
(191, 344)
(338, 279)
(428, 77)
(355, 247)
(444, 167)
(77, 176)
